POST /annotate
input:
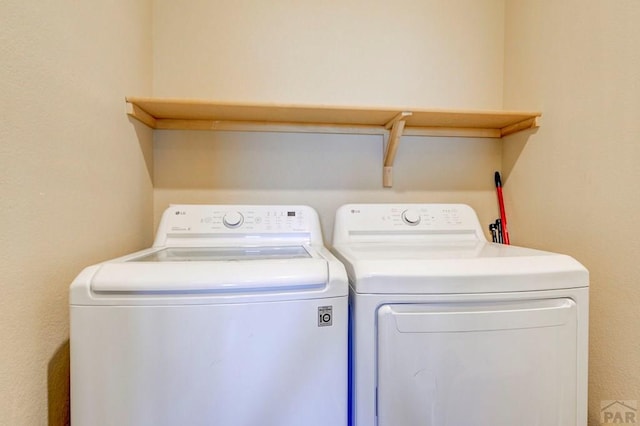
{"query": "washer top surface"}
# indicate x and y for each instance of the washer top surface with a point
(442, 250)
(220, 254)
(212, 254)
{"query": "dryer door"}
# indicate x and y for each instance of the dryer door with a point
(497, 364)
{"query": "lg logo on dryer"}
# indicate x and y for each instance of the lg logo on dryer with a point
(325, 316)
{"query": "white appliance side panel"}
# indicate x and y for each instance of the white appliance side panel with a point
(486, 364)
(252, 364)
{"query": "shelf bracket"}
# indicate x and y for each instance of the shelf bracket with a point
(395, 127)
(141, 115)
(530, 123)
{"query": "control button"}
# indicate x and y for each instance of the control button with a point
(233, 220)
(411, 217)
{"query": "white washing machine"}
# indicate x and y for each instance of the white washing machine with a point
(237, 316)
(451, 330)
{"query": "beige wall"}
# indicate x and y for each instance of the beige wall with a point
(403, 52)
(75, 178)
(574, 186)
(408, 52)
(324, 171)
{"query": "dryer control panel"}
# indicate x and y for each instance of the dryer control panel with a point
(251, 222)
(356, 221)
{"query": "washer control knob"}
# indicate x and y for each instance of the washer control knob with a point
(233, 219)
(411, 217)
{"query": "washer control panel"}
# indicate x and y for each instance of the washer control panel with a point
(239, 221)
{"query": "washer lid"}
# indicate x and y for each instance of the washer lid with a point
(456, 267)
(180, 277)
(202, 254)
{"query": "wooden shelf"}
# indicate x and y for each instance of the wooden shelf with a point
(191, 114)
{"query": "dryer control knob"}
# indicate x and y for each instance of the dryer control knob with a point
(233, 220)
(411, 217)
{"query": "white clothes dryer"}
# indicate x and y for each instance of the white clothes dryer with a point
(237, 316)
(451, 330)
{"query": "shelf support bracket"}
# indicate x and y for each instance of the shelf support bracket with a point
(529, 123)
(141, 115)
(395, 128)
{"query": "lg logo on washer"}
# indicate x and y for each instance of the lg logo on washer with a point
(325, 317)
